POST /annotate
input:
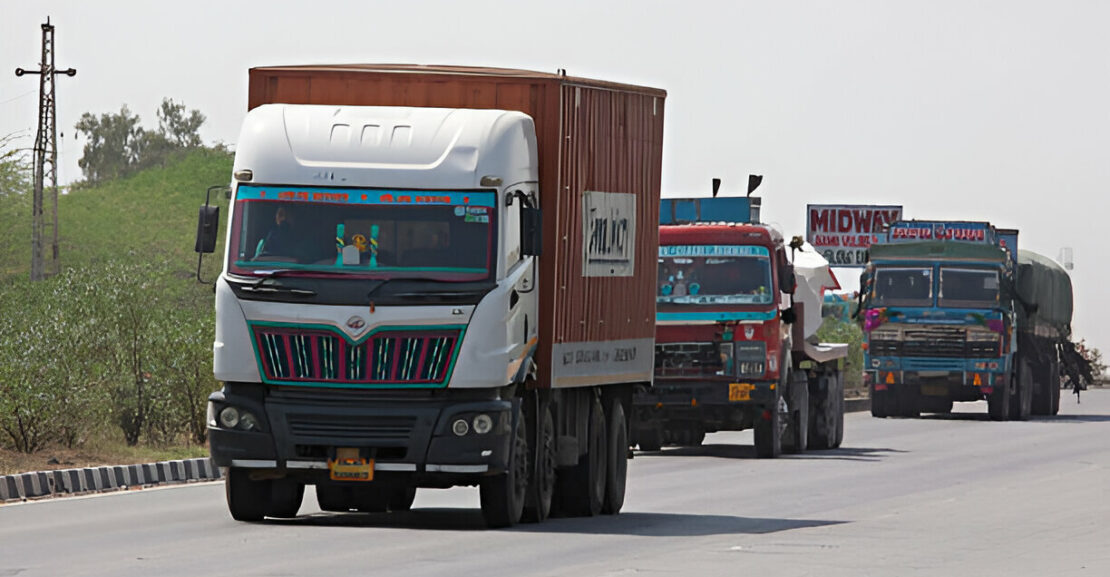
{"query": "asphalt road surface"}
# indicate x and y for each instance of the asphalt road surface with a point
(955, 495)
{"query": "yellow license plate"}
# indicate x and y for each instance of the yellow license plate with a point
(740, 391)
(934, 390)
(348, 466)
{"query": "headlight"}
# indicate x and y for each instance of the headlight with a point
(887, 335)
(982, 336)
(483, 424)
(460, 427)
(229, 417)
(249, 422)
(210, 414)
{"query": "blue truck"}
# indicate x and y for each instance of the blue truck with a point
(953, 311)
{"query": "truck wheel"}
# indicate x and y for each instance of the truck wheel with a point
(1021, 401)
(582, 488)
(616, 472)
(998, 402)
(1054, 387)
(650, 438)
(502, 495)
(768, 429)
(826, 416)
(247, 500)
(334, 498)
(880, 403)
(401, 499)
(541, 489)
(286, 496)
(797, 431)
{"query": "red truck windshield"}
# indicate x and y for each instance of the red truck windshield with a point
(390, 234)
(714, 275)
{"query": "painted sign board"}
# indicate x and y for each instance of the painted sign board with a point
(842, 233)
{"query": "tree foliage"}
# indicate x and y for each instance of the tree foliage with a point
(836, 330)
(117, 145)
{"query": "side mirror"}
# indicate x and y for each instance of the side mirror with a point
(787, 279)
(531, 231)
(789, 316)
(208, 226)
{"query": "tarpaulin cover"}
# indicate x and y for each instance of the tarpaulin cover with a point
(814, 276)
(1044, 283)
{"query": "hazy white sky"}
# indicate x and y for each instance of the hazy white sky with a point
(962, 109)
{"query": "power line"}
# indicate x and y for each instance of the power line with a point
(46, 154)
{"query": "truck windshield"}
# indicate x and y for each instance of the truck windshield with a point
(714, 274)
(907, 287)
(376, 233)
(968, 288)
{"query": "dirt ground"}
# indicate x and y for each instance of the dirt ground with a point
(62, 458)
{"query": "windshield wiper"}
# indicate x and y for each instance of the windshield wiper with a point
(433, 292)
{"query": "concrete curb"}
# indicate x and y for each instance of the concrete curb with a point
(89, 480)
(857, 405)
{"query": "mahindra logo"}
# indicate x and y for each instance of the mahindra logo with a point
(356, 323)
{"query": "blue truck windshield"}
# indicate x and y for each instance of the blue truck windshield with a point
(714, 275)
(968, 288)
(907, 287)
(378, 233)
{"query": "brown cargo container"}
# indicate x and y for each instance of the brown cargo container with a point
(594, 137)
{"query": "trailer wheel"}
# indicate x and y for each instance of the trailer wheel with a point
(502, 495)
(826, 415)
(998, 402)
(1046, 389)
(880, 402)
(616, 472)
(286, 496)
(650, 438)
(582, 488)
(541, 489)
(1054, 387)
(769, 428)
(1021, 402)
(247, 500)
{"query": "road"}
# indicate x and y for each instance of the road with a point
(951, 496)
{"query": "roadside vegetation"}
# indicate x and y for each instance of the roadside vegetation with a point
(110, 359)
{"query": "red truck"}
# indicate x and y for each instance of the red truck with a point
(734, 340)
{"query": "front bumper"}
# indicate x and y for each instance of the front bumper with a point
(403, 431)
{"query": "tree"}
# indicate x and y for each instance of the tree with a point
(118, 146)
(113, 147)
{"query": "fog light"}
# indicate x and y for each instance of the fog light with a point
(483, 424)
(229, 417)
(248, 422)
(460, 427)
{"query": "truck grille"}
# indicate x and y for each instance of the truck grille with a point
(677, 359)
(939, 342)
(393, 357)
(356, 430)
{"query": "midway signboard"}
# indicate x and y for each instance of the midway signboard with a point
(842, 233)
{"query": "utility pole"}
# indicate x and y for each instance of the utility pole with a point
(46, 154)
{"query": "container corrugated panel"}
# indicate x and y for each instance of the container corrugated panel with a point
(594, 136)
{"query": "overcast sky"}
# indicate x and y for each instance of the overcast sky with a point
(958, 109)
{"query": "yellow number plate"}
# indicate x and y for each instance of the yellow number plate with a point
(740, 391)
(348, 466)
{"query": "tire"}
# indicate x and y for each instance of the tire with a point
(286, 496)
(826, 415)
(650, 439)
(880, 403)
(541, 488)
(1021, 401)
(797, 429)
(1054, 387)
(998, 403)
(502, 495)
(401, 499)
(768, 432)
(906, 402)
(247, 500)
(1046, 389)
(616, 470)
(334, 498)
(581, 489)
